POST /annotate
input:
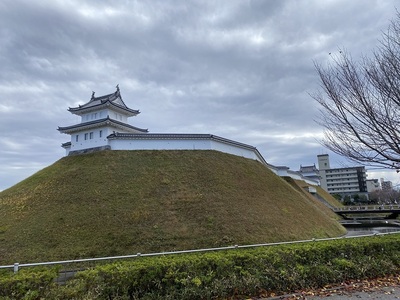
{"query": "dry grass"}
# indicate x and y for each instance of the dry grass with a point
(124, 202)
(302, 186)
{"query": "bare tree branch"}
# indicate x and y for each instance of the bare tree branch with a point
(360, 103)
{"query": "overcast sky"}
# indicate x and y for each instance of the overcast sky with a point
(242, 70)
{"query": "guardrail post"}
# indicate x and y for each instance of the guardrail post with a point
(16, 267)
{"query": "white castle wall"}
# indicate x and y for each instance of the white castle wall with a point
(91, 141)
(206, 143)
(239, 151)
(283, 171)
(160, 144)
(87, 138)
(121, 141)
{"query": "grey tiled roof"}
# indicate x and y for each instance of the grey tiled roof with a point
(114, 100)
(175, 136)
(308, 168)
(67, 144)
(98, 123)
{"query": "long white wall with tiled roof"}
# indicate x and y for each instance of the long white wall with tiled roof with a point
(147, 141)
(183, 142)
(151, 141)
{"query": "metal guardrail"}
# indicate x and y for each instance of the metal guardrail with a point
(376, 208)
(17, 266)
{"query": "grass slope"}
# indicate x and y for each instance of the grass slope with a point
(301, 185)
(124, 202)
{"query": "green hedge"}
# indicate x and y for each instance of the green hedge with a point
(234, 273)
(27, 283)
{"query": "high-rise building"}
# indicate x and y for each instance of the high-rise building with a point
(343, 181)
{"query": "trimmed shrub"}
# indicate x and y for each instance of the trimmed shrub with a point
(237, 273)
(27, 283)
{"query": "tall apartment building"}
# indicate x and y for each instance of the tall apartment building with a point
(343, 181)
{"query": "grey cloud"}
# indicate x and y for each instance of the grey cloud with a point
(242, 70)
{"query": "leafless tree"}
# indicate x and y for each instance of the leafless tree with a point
(390, 196)
(360, 103)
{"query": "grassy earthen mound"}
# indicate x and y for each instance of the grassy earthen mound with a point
(124, 202)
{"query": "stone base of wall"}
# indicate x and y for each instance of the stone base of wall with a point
(89, 150)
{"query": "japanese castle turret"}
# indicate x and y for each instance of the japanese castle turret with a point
(100, 117)
(104, 126)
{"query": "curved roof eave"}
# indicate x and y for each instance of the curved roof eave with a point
(84, 109)
(99, 123)
(66, 145)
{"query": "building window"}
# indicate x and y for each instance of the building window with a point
(101, 133)
(86, 136)
(91, 135)
(76, 137)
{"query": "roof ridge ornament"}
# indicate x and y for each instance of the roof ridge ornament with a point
(117, 87)
(92, 96)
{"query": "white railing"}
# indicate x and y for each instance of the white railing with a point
(368, 208)
(17, 266)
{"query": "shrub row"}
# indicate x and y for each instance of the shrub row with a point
(229, 274)
(27, 284)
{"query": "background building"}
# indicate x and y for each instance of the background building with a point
(343, 181)
(373, 185)
(386, 185)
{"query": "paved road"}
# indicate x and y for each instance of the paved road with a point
(385, 293)
(383, 288)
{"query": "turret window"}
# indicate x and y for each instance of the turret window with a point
(86, 136)
(76, 137)
(101, 133)
(91, 135)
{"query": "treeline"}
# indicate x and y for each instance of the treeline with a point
(378, 197)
